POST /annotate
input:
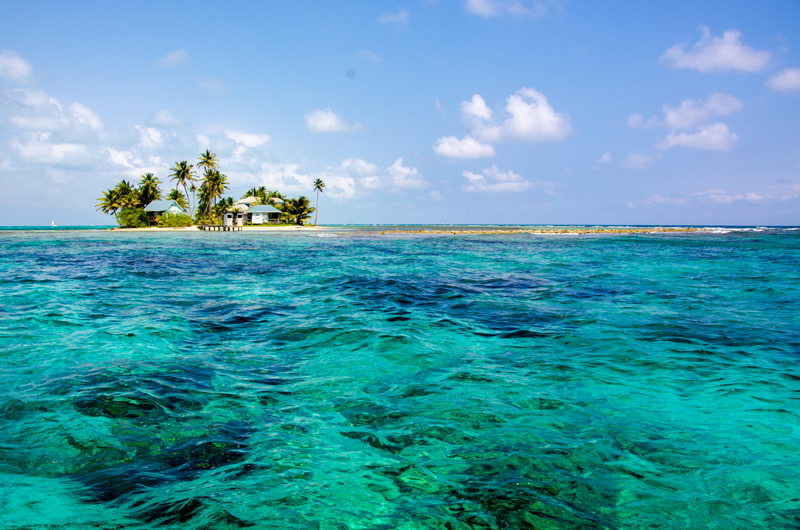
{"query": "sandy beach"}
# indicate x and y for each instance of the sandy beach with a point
(261, 228)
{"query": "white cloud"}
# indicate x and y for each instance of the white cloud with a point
(531, 119)
(288, 178)
(372, 183)
(691, 112)
(173, 58)
(710, 195)
(440, 108)
(638, 161)
(369, 56)
(405, 177)
(713, 137)
(203, 141)
(494, 181)
(38, 148)
(245, 141)
(325, 120)
(476, 108)
(358, 167)
(658, 199)
(121, 158)
(434, 196)
(605, 158)
(400, 17)
(150, 137)
(637, 121)
(452, 147)
(519, 8)
(786, 80)
(36, 110)
(713, 54)
(85, 116)
(14, 68)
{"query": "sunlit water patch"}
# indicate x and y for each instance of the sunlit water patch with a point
(234, 380)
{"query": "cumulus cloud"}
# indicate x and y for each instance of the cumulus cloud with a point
(638, 161)
(519, 8)
(691, 112)
(493, 180)
(245, 141)
(150, 137)
(637, 121)
(405, 177)
(468, 147)
(14, 68)
(289, 178)
(713, 195)
(658, 199)
(434, 196)
(713, 137)
(358, 167)
(172, 59)
(36, 110)
(325, 121)
(530, 119)
(476, 108)
(399, 17)
(786, 80)
(38, 147)
(715, 54)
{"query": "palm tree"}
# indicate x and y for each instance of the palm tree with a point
(213, 186)
(148, 189)
(109, 202)
(208, 160)
(193, 189)
(318, 185)
(127, 195)
(183, 176)
(177, 196)
(299, 208)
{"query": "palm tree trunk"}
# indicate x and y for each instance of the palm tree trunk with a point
(316, 215)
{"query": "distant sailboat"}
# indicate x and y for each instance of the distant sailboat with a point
(53, 223)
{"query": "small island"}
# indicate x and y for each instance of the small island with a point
(201, 202)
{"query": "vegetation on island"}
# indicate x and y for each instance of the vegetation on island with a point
(206, 205)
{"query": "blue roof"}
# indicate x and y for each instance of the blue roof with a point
(263, 208)
(162, 206)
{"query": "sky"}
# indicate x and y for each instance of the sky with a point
(423, 111)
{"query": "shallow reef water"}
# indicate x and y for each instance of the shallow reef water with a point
(358, 381)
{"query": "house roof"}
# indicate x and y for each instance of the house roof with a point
(263, 208)
(275, 199)
(162, 206)
(247, 200)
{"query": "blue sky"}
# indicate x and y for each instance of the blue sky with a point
(476, 111)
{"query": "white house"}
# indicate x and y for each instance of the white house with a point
(262, 214)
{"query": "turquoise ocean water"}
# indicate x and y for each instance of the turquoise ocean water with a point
(347, 380)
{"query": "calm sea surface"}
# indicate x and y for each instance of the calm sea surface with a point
(346, 380)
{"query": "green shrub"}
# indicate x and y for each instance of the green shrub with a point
(174, 220)
(203, 220)
(132, 218)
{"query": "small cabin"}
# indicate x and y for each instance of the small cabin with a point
(235, 218)
(262, 214)
(157, 208)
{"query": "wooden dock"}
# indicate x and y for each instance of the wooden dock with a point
(222, 228)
